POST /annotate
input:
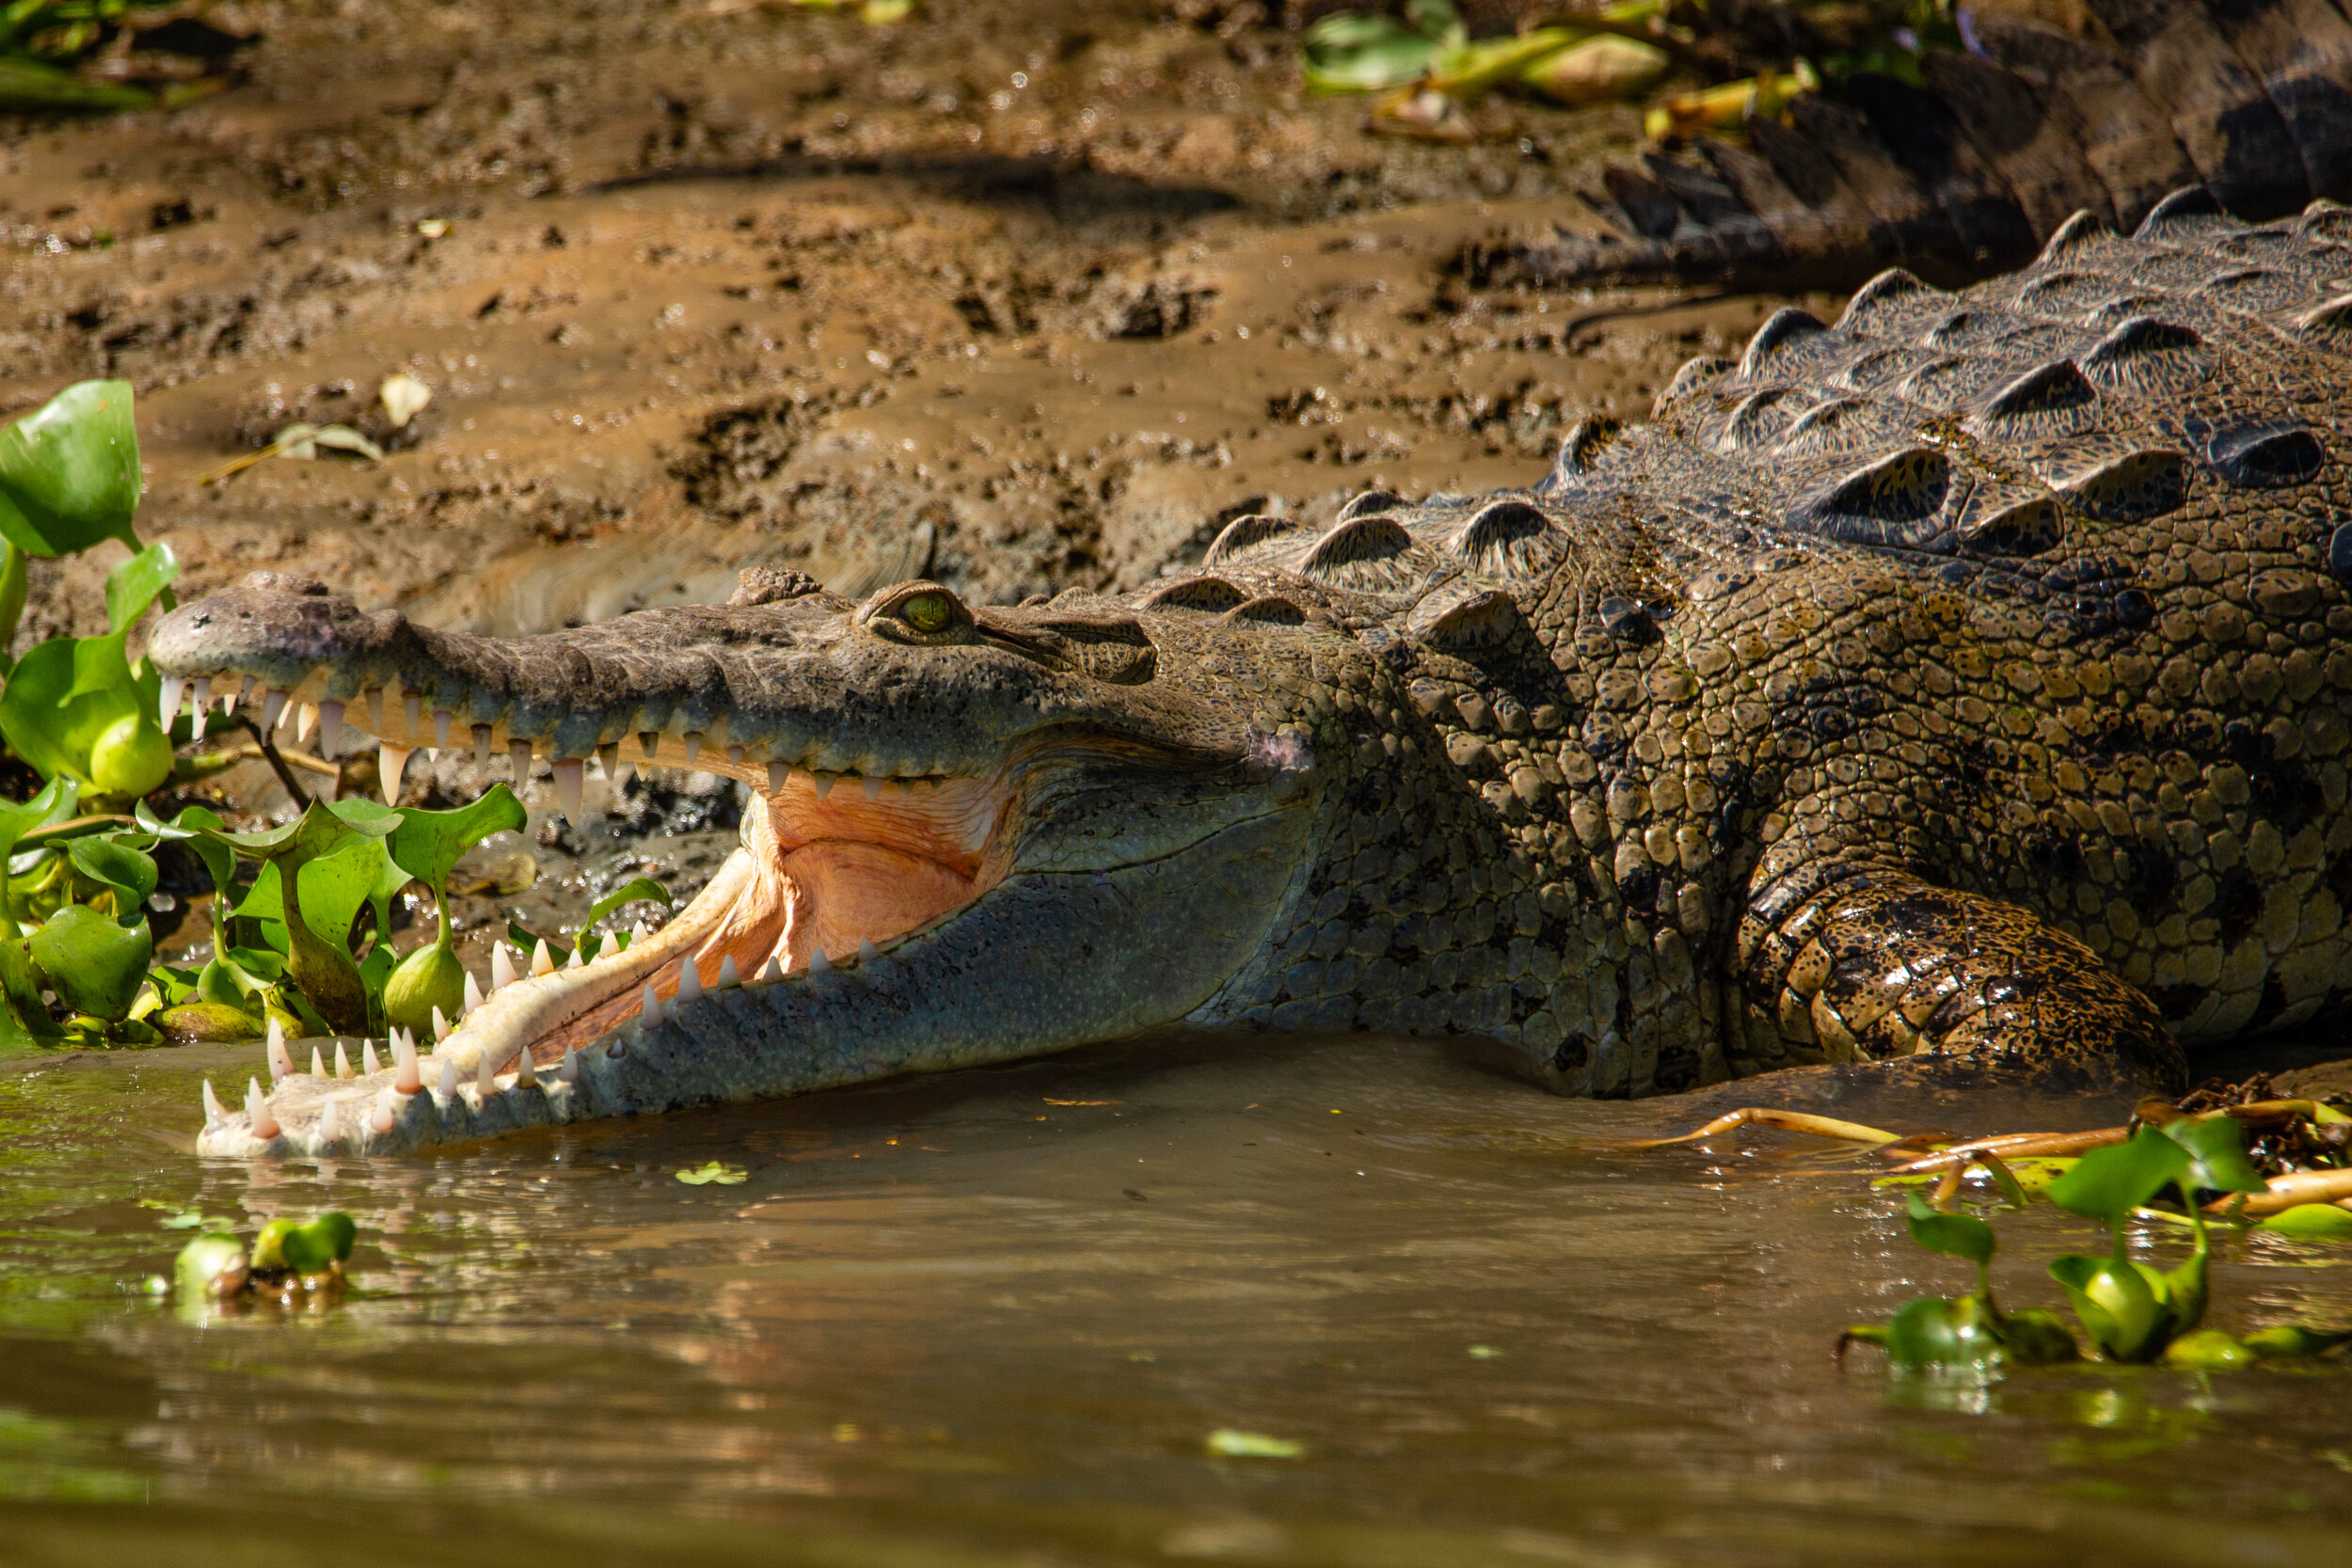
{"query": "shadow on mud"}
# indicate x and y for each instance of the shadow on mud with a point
(1068, 188)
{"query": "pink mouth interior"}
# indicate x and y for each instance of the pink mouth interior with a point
(830, 874)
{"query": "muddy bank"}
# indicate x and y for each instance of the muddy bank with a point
(1020, 296)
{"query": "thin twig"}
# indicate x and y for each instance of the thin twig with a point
(276, 761)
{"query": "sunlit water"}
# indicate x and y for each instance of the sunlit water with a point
(994, 1317)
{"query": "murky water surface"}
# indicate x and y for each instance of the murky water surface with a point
(994, 1317)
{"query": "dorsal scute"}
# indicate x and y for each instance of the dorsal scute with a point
(1210, 593)
(2051, 400)
(1507, 538)
(1787, 327)
(1246, 533)
(1889, 302)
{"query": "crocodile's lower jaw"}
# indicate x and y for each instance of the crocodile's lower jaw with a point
(824, 883)
(857, 934)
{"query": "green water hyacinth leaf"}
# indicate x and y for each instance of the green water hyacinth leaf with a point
(2288, 1341)
(136, 583)
(2217, 1161)
(1954, 1235)
(2108, 1183)
(54, 727)
(2310, 1222)
(428, 978)
(54, 802)
(714, 1173)
(20, 983)
(95, 965)
(69, 471)
(633, 891)
(2208, 1350)
(213, 1267)
(2121, 1304)
(320, 1246)
(129, 872)
(427, 843)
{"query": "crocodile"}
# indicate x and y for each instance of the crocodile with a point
(1966, 170)
(1961, 689)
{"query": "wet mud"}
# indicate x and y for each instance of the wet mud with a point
(1020, 296)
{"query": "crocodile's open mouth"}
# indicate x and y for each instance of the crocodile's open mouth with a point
(977, 837)
(836, 870)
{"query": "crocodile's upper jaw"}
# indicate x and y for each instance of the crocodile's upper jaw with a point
(970, 884)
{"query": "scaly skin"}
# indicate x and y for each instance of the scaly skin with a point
(1963, 685)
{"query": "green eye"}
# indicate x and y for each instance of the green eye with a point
(927, 613)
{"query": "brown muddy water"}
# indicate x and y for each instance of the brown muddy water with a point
(994, 1317)
(1025, 295)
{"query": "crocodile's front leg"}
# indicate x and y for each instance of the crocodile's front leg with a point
(1854, 963)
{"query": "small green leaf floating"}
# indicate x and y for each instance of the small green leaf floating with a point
(2310, 1222)
(715, 1174)
(1231, 1443)
(305, 1249)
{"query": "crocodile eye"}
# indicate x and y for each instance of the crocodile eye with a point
(927, 613)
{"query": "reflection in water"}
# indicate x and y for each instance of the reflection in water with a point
(993, 1317)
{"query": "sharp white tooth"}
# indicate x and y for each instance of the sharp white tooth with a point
(257, 1112)
(822, 783)
(608, 761)
(693, 746)
(569, 1071)
(541, 961)
(167, 701)
(651, 1012)
(441, 718)
(865, 954)
(273, 708)
(405, 1076)
(638, 933)
(228, 700)
(274, 1048)
(818, 962)
(526, 1070)
(382, 1121)
(390, 763)
(649, 741)
(305, 720)
(318, 1064)
(873, 787)
(213, 1113)
(735, 755)
(501, 967)
(689, 981)
(375, 711)
(342, 1061)
(483, 1083)
(330, 726)
(441, 1029)
(328, 1128)
(200, 704)
(779, 774)
(728, 974)
(449, 1077)
(568, 771)
(575, 961)
(368, 1063)
(519, 751)
(481, 745)
(771, 972)
(473, 996)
